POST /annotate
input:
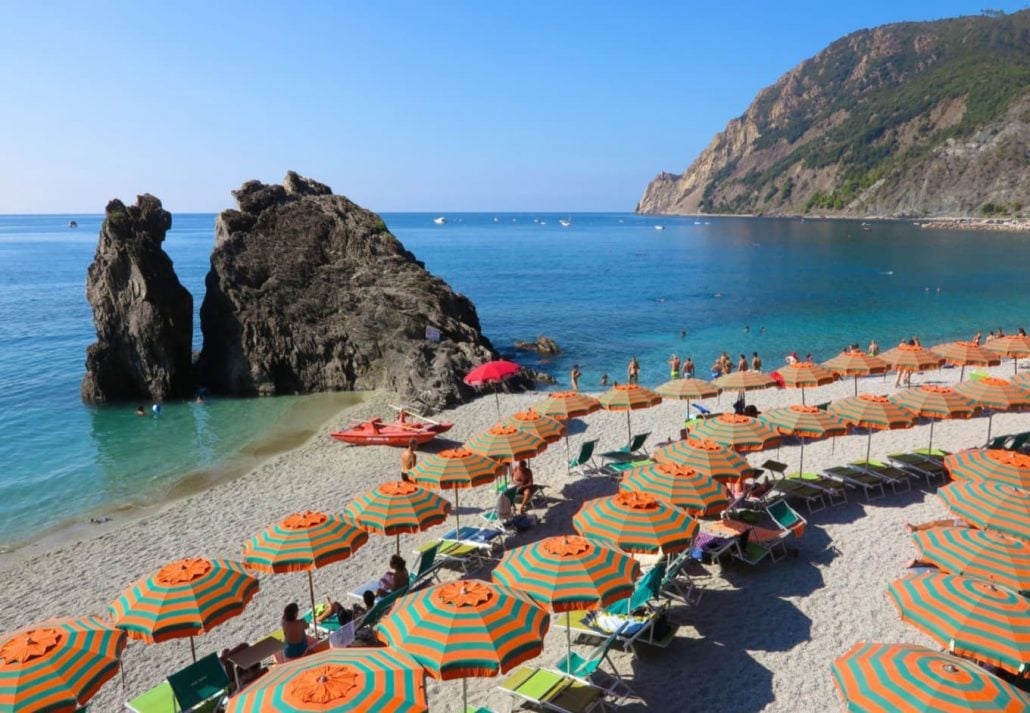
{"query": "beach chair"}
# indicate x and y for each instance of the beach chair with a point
(589, 670)
(751, 552)
(633, 450)
(677, 584)
(858, 479)
(998, 442)
(812, 496)
(201, 686)
(428, 568)
(898, 479)
(921, 465)
(363, 626)
(453, 555)
(787, 518)
(489, 541)
(552, 691)
(586, 457)
(834, 492)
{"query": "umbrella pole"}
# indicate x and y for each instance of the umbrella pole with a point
(1015, 366)
(311, 591)
(193, 649)
(802, 395)
(962, 372)
(568, 450)
(464, 693)
(990, 417)
(398, 544)
(869, 444)
(801, 466)
(497, 400)
(930, 450)
(856, 384)
(568, 643)
(629, 429)
(457, 514)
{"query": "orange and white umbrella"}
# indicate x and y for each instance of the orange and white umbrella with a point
(1016, 346)
(994, 394)
(965, 354)
(935, 403)
(805, 375)
(910, 357)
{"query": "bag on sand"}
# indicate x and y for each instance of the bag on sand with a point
(523, 522)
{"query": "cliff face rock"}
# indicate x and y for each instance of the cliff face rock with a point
(309, 292)
(911, 119)
(143, 315)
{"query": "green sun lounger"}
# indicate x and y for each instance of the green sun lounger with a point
(552, 691)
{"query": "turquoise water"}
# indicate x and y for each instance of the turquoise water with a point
(607, 287)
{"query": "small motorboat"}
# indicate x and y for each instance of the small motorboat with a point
(440, 221)
(659, 227)
(565, 222)
(376, 432)
(73, 224)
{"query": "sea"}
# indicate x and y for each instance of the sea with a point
(606, 287)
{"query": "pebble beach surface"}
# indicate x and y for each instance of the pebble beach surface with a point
(762, 638)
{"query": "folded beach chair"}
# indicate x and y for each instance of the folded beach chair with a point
(633, 450)
(585, 458)
(551, 691)
(858, 479)
(589, 670)
(898, 479)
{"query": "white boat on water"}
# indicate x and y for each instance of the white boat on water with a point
(565, 222)
(659, 227)
(440, 221)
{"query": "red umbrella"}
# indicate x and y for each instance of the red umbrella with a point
(492, 372)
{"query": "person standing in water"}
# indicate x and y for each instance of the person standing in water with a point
(674, 367)
(633, 371)
(756, 362)
(574, 377)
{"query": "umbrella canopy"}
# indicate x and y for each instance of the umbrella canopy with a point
(58, 665)
(914, 679)
(993, 465)
(687, 389)
(856, 363)
(741, 433)
(492, 372)
(991, 556)
(506, 443)
(909, 357)
(994, 394)
(970, 617)
(636, 522)
(935, 402)
(397, 507)
(745, 381)
(1014, 345)
(804, 422)
(871, 412)
(805, 375)
(544, 427)
(183, 598)
(990, 506)
(356, 680)
(456, 469)
(684, 487)
(704, 456)
(564, 405)
(628, 397)
(1022, 380)
(965, 354)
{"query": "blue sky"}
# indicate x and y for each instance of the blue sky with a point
(402, 106)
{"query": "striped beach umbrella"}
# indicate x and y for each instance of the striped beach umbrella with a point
(564, 405)
(873, 678)
(628, 397)
(990, 506)
(687, 390)
(397, 507)
(994, 394)
(855, 363)
(871, 412)
(970, 552)
(568, 573)
(544, 427)
(455, 469)
(935, 403)
(805, 375)
(963, 354)
(974, 618)
(492, 372)
(184, 598)
(1022, 380)
(356, 680)
(741, 433)
(742, 381)
(684, 487)
(706, 457)
(1014, 345)
(506, 443)
(303, 542)
(636, 522)
(804, 422)
(466, 628)
(910, 358)
(58, 665)
(993, 465)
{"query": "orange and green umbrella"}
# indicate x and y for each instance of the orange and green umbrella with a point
(636, 522)
(506, 443)
(697, 493)
(993, 465)
(974, 618)
(741, 433)
(994, 394)
(1014, 345)
(568, 573)
(990, 506)
(805, 375)
(804, 422)
(1022, 380)
(935, 403)
(970, 552)
(564, 405)
(706, 457)
(856, 363)
(745, 381)
(466, 628)
(873, 678)
(397, 507)
(58, 665)
(871, 412)
(358, 680)
(455, 469)
(687, 390)
(965, 354)
(544, 427)
(628, 397)
(910, 357)
(184, 598)
(303, 542)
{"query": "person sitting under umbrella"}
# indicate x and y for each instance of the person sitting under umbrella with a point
(295, 635)
(523, 478)
(396, 578)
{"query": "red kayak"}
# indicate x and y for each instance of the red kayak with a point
(395, 433)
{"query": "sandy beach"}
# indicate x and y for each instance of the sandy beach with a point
(761, 639)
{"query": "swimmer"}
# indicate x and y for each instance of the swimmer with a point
(140, 411)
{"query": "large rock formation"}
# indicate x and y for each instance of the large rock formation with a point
(910, 119)
(310, 292)
(143, 315)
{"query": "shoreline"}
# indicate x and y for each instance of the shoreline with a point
(994, 224)
(301, 422)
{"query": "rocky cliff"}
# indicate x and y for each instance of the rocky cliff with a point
(309, 292)
(143, 315)
(911, 119)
